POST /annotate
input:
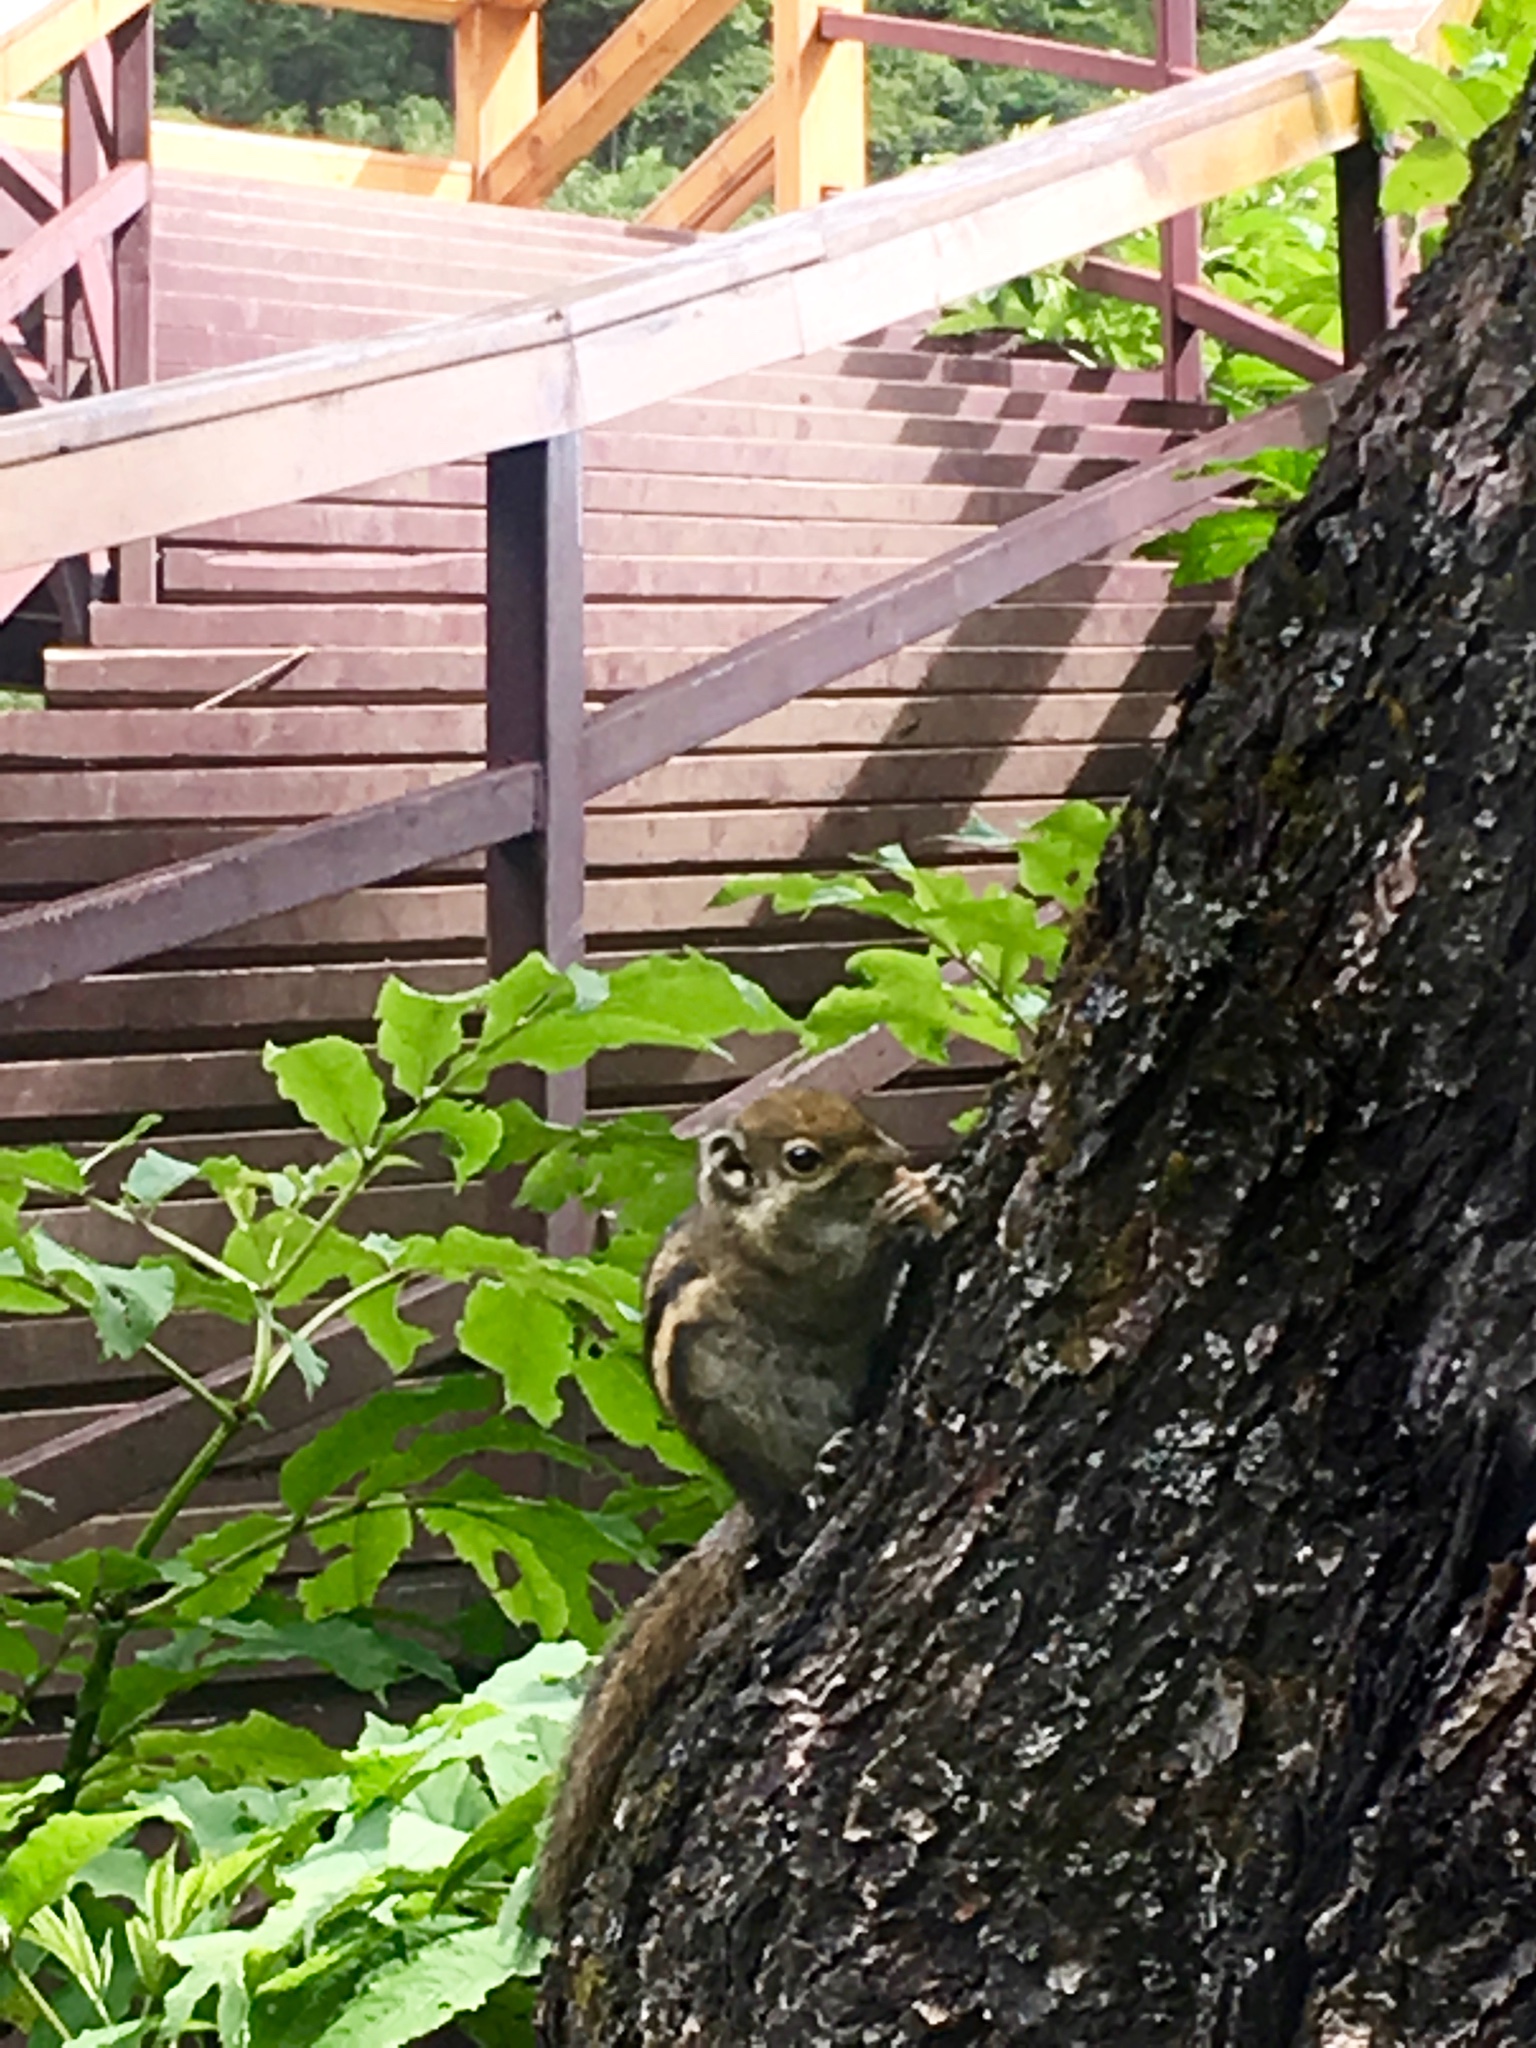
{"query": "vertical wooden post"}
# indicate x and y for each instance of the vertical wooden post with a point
(1183, 371)
(534, 673)
(819, 115)
(133, 96)
(88, 107)
(1365, 272)
(495, 80)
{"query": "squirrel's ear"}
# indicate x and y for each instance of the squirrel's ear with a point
(723, 1163)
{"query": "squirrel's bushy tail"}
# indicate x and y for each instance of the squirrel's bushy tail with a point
(658, 1637)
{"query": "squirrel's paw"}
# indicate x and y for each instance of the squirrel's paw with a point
(913, 1198)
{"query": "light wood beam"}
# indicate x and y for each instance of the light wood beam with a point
(722, 182)
(280, 159)
(820, 145)
(495, 79)
(596, 97)
(38, 41)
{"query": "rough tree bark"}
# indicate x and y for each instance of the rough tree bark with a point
(1164, 1671)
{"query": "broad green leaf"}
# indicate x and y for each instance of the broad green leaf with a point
(1058, 856)
(522, 1338)
(1433, 173)
(352, 1446)
(371, 1543)
(905, 992)
(43, 1166)
(43, 1866)
(1216, 546)
(625, 1403)
(259, 1749)
(418, 1033)
(405, 2001)
(155, 1175)
(332, 1084)
(1401, 90)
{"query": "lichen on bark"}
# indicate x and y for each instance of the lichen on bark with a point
(1164, 1670)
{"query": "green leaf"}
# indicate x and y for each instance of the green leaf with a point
(404, 2001)
(472, 1135)
(43, 1166)
(1058, 855)
(524, 1339)
(313, 1365)
(1402, 90)
(378, 1316)
(1433, 173)
(333, 1086)
(418, 1033)
(352, 1446)
(625, 1403)
(1216, 546)
(506, 1838)
(43, 1866)
(22, 1298)
(155, 1175)
(126, 1303)
(372, 1543)
(229, 1587)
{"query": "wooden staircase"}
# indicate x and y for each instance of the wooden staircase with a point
(312, 659)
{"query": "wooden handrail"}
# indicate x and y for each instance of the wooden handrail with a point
(148, 461)
(995, 46)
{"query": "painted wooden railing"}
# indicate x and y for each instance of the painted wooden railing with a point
(89, 236)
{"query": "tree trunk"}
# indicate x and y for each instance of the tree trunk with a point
(1164, 1671)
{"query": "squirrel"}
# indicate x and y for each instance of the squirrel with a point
(763, 1305)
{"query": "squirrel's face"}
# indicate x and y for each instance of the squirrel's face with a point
(800, 1174)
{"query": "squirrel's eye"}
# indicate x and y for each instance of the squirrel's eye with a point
(800, 1157)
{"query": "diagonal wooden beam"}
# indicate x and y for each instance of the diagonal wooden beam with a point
(723, 180)
(598, 94)
(39, 40)
(71, 236)
(32, 189)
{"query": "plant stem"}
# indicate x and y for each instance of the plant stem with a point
(44, 2008)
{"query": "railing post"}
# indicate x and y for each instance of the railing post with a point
(90, 324)
(534, 675)
(495, 80)
(818, 96)
(1365, 271)
(133, 97)
(1178, 53)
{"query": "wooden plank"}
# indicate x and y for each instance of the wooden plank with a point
(590, 104)
(129, 677)
(1112, 68)
(358, 733)
(723, 180)
(152, 460)
(238, 152)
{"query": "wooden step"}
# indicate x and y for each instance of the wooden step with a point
(100, 676)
